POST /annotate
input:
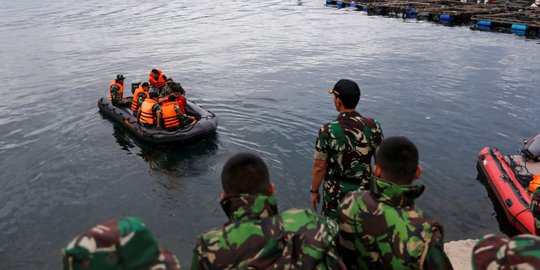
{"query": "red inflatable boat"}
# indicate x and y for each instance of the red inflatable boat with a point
(508, 177)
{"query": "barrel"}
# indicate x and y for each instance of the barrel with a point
(519, 29)
(446, 19)
(411, 13)
(483, 25)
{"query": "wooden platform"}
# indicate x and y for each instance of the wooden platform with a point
(501, 16)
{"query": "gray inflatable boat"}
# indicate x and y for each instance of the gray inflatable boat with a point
(206, 123)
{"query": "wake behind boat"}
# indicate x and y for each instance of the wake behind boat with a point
(206, 123)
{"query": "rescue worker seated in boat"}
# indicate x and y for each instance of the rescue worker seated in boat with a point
(147, 115)
(140, 94)
(535, 208)
(171, 117)
(116, 92)
(173, 88)
(157, 80)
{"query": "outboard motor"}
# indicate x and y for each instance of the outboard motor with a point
(531, 148)
(135, 85)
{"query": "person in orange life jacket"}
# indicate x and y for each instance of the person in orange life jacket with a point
(158, 80)
(175, 88)
(171, 117)
(116, 91)
(140, 94)
(147, 115)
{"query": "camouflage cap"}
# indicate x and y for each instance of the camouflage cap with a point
(499, 252)
(120, 243)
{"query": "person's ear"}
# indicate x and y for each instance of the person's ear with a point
(377, 170)
(338, 101)
(419, 171)
(222, 196)
(272, 188)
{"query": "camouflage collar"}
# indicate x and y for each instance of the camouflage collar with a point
(348, 115)
(395, 195)
(249, 206)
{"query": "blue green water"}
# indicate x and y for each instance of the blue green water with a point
(264, 69)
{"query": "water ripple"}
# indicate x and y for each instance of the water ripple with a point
(264, 69)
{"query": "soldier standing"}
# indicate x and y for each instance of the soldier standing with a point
(343, 150)
(256, 236)
(381, 228)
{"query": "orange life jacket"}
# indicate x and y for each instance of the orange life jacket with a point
(135, 101)
(170, 118)
(120, 92)
(535, 183)
(147, 114)
(160, 82)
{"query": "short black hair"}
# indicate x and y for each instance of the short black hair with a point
(348, 92)
(145, 84)
(172, 98)
(245, 173)
(155, 71)
(349, 101)
(398, 159)
(153, 95)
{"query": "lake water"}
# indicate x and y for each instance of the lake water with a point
(264, 68)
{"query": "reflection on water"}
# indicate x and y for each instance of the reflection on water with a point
(264, 68)
(165, 159)
(504, 224)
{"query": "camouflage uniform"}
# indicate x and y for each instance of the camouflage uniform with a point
(382, 229)
(496, 252)
(160, 91)
(347, 145)
(121, 243)
(116, 98)
(175, 88)
(535, 208)
(257, 237)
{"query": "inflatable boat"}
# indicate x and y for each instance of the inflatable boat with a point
(508, 178)
(206, 123)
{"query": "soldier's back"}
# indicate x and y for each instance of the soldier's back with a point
(383, 233)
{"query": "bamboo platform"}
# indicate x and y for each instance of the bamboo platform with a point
(518, 22)
(511, 16)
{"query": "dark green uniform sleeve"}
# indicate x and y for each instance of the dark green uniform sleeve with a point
(436, 258)
(196, 255)
(114, 93)
(184, 120)
(378, 135)
(140, 99)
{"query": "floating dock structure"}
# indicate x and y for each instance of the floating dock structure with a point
(514, 16)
